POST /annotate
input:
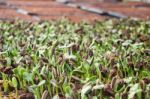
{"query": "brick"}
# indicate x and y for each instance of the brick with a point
(73, 18)
(6, 13)
(128, 9)
(71, 13)
(32, 3)
(52, 10)
(55, 11)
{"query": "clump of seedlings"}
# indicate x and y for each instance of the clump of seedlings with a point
(104, 60)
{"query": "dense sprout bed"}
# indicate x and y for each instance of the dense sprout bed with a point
(104, 60)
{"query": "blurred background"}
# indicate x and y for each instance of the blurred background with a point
(74, 10)
(147, 1)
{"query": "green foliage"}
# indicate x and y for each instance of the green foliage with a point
(107, 59)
